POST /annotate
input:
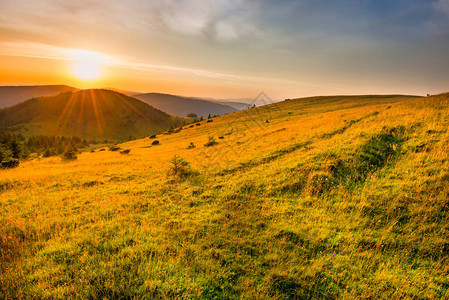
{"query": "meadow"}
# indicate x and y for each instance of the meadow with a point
(325, 197)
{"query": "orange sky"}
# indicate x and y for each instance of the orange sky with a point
(230, 48)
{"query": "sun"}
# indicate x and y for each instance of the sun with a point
(87, 65)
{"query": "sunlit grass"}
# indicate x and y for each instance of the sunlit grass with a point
(257, 220)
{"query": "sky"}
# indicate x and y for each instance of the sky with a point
(229, 48)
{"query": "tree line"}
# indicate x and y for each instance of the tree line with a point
(14, 147)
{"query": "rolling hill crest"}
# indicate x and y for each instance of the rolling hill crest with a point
(96, 114)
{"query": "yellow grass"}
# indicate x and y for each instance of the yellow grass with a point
(253, 222)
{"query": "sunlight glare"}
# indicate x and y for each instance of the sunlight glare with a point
(87, 65)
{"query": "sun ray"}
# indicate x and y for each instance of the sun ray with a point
(134, 109)
(98, 114)
(81, 117)
(62, 120)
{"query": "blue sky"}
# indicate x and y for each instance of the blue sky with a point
(237, 48)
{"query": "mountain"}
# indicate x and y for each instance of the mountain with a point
(124, 92)
(234, 104)
(95, 113)
(12, 95)
(182, 106)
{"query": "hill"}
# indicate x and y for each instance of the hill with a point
(95, 114)
(318, 198)
(182, 106)
(234, 104)
(12, 95)
(124, 92)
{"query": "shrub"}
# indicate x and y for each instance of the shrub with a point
(114, 148)
(10, 163)
(48, 152)
(191, 145)
(126, 151)
(211, 142)
(4, 153)
(180, 168)
(156, 142)
(153, 136)
(70, 154)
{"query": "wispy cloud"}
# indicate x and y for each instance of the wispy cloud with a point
(442, 6)
(34, 50)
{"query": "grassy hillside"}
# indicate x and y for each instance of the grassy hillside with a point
(327, 197)
(96, 114)
(182, 106)
(12, 95)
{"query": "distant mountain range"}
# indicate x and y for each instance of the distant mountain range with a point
(182, 106)
(95, 114)
(12, 95)
(171, 104)
(233, 104)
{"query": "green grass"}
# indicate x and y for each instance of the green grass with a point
(345, 198)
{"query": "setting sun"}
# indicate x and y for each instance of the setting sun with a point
(87, 65)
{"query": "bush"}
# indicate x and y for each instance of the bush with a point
(153, 136)
(191, 145)
(114, 148)
(10, 163)
(70, 154)
(156, 142)
(180, 167)
(211, 142)
(48, 152)
(126, 151)
(4, 153)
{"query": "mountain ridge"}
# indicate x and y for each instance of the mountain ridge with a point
(93, 113)
(11, 95)
(182, 106)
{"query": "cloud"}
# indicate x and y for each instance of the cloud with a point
(220, 19)
(36, 50)
(442, 6)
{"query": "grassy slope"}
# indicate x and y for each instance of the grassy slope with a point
(334, 197)
(87, 113)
